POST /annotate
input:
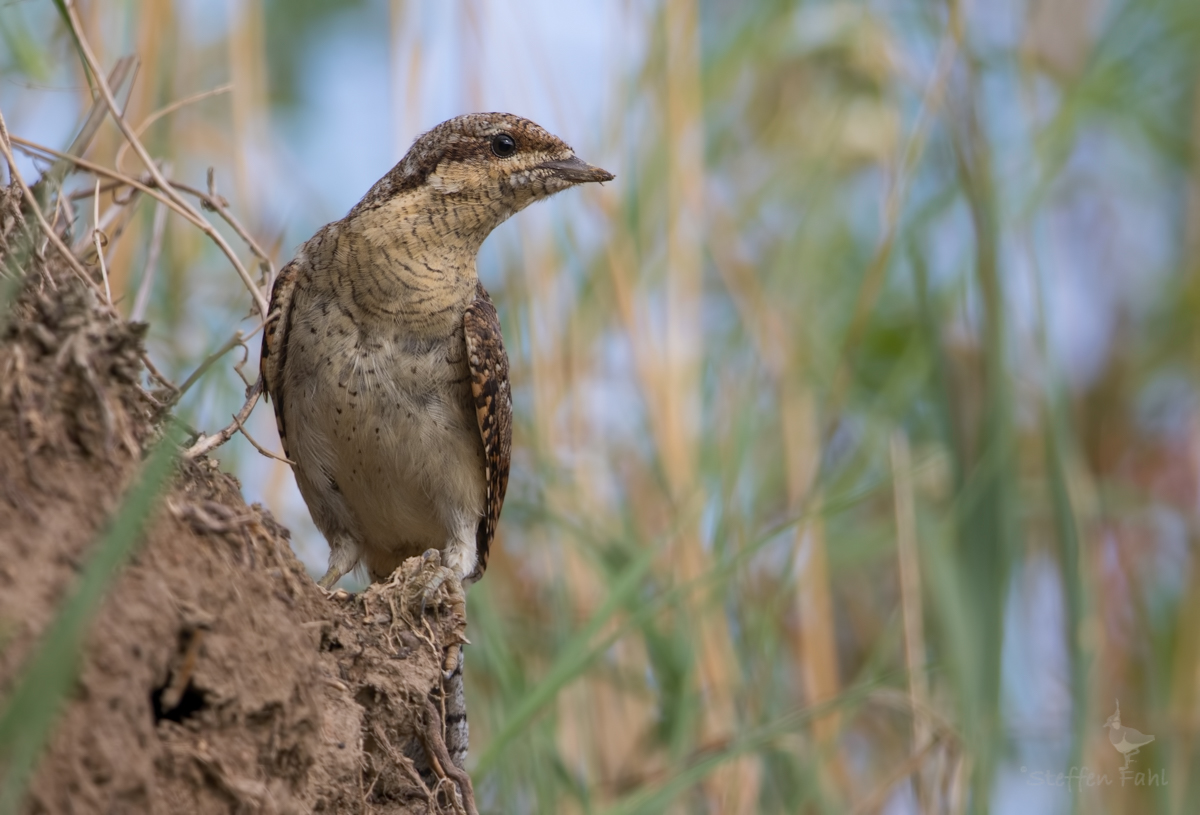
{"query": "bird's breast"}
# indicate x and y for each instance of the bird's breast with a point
(386, 420)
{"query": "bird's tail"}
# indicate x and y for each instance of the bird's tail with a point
(458, 732)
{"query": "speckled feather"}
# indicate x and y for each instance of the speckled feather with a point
(493, 409)
(274, 346)
(446, 143)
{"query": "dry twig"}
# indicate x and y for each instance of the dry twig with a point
(169, 109)
(242, 429)
(201, 222)
(31, 201)
(207, 443)
(169, 196)
(221, 207)
(33, 147)
(147, 184)
(98, 238)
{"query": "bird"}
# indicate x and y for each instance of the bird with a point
(1127, 740)
(383, 358)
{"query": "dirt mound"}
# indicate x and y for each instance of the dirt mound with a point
(216, 677)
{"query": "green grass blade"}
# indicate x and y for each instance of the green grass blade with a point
(571, 663)
(29, 715)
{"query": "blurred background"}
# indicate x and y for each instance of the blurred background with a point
(858, 420)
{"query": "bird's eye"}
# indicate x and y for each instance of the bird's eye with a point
(503, 145)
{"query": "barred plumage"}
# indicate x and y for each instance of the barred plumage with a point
(493, 410)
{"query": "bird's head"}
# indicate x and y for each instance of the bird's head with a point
(485, 166)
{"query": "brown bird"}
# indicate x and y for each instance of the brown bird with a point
(385, 363)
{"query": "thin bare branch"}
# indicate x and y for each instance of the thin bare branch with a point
(51, 235)
(157, 374)
(86, 192)
(233, 342)
(207, 443)
(148, 185)
(242, 429)
(90, 57)
(97, 237)
(165, 111)
(238, 339)
(58, 171)
(92, 167)
(221, 207)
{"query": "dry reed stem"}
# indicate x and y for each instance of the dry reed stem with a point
(909, 569)
(549, 388)
(1192, 212)
(715, 647)
(247, 67)
(914, 147)
(733, 787)
(815, 642)
(600, 728)
(814, 639)
(1186, 673)
(620, 717)
(960, 784)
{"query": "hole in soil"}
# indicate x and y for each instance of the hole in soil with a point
(189, 704)
(174, 700)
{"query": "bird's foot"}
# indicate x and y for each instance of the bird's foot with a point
(325, 584)
(437, 586)
(332, 576)
(343, 556)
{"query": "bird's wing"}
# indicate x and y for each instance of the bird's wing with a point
(1136, 738)
(275, 342)
(493, 409)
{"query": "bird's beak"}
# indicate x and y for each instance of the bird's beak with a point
(576, 170)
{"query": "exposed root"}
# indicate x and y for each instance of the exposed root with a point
(439, 758)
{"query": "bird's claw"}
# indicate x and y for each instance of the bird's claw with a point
(328, 579)
(423, 591)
